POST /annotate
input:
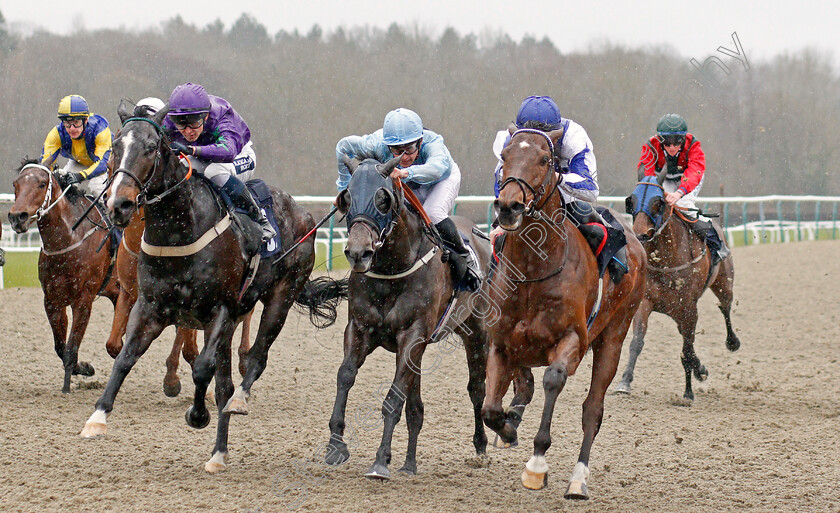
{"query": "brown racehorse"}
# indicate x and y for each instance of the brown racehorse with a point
(185, 339)
(547, 295)
(679, 271)
(73, 267)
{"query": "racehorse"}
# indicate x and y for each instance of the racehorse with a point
(552, 309)
(194, 262)
(400, 290)
(679, 271)
(73, 266)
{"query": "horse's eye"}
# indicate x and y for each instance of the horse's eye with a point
(151, 147)
(42, 185)
(545, 159)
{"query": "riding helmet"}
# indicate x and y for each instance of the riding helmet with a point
(671, 124)
(402, 126)
(73, 106)
(539, 108)
(189, 98)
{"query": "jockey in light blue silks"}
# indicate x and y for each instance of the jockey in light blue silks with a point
(426, 166)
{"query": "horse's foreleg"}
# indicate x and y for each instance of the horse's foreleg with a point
(499, 376)
(476, 348)
(356, 350)
(640, 325)
(271, 322)
(224, 390)
(606, 351)
(411, 346)
(204, 367)
(686, 324)
(121, 310)
(81, 316)
(245, 343)
(171, 382)
(535, 475)
(57, 316)
(143, 328)
(722, 288)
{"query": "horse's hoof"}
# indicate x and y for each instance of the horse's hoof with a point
(408, 470)
(217, 463)
(336, 455)
(534, 480)
(378, 471)
(93, 430)
(577, 491)
(732, 343)
(172, 390)
(236, 406)
(84, 369)
(498, 443)
(197, 420)
(701, 373)
(623, 388)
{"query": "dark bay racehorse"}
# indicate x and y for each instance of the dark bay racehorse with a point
(74, 265)
(547, 294)
(679, 271)
(185, 339)
(399, 290)
(191, 271)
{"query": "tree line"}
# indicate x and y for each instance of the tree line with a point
(767, 129)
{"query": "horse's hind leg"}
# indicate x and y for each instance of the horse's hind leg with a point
(687, 323)
(121, 310)
(722, 288)
(640, 324)
(245, 343)
(224, 389)
(499, 376)
(81, 316)
(356, 350)
(142, 330)
(171, 382)
(476, 348)
(57, 316)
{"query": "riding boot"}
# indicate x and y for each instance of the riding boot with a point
(462, 258)
(716, 245)
(242, 199)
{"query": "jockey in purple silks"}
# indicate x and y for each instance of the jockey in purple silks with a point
(215, 138)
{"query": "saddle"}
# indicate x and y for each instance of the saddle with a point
(262, 195)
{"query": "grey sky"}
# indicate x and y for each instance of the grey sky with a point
(694, 28)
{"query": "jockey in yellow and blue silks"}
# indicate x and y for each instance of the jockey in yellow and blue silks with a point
(84, 139)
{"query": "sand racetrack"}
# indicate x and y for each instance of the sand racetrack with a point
(762, 435)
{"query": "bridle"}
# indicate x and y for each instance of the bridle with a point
(658, 222)
(534, 207)
(47, 204)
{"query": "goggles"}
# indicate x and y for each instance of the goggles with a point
(182, 122)
(407, 149)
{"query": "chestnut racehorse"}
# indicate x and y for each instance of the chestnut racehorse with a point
(547, 295)
(185, 339)
(74, 265)
(679, 271)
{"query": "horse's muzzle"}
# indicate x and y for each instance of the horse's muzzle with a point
(122, 211)
(20, 221)
(360, 259)
(509, 214)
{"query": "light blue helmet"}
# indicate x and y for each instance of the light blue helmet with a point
(402, 126)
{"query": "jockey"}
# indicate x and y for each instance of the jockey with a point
(427, 167)
(579, 183)
(674, 147)
(215, 138)
(84, 139)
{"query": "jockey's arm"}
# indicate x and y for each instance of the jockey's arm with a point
(370, 146)
(52, 146)
(581, 180)
(226, 146)
(102, 152)
(695, 169)
(436, 162)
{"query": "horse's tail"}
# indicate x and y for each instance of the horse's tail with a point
(322, 296)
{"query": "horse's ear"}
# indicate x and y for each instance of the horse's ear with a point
(660, 176)
(342, 201)
(630, 204)
(352, 164)
(512, 128)
(386, 168)
(161, 115)
(555, 136)
(123, 111)
(640, 172)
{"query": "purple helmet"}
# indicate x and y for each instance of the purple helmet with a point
(187, 99)
(539, 108)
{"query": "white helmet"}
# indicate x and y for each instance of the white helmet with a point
(152, 104)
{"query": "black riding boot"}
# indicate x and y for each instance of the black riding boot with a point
(462, 260)
(716, 245)
(242, 198)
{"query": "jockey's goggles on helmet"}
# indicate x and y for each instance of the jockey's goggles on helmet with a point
(73, 121)
(672, 139)
(408, 149)
(184, 121)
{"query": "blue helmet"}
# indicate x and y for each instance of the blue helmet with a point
(402, 126)
(188, 99)
(73, 106)
(538, 108)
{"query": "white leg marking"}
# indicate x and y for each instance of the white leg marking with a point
(580, 473)
(217, 463)
(537, 465)
(99, 416)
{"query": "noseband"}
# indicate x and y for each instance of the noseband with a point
(47, 204)
(531, 209)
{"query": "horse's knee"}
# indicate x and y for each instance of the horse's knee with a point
(346, 375)
(203, 369)
(493, 417)
(554, 378)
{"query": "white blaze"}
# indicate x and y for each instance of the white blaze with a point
(524, 144)
(125, 141)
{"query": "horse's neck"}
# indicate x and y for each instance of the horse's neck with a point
(133, 233)
(673, 243)
(402, 247)
(182, 216)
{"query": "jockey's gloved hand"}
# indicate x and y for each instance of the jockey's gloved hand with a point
(67, 179)
(182, 148)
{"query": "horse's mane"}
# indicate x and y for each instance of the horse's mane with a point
(73, 195)
(539, 125)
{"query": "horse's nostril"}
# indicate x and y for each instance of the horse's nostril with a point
(367, 254)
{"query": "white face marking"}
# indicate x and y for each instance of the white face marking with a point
(524, 144)
(125, 141)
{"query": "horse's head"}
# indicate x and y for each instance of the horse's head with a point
(371, 204)
(647, 198)
(140, 151)
(528, 174)
(35, 188)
